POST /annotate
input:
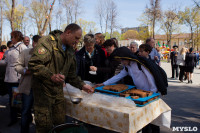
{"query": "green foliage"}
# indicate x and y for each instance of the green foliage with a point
(39, 13)
(130, 34)
(87, 26)
(188, 16)
(116, 35)
(143, 33)
(19, 15)
(107, 35)
(170, 23)
(151, 15)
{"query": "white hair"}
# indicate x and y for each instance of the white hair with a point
(134, 43)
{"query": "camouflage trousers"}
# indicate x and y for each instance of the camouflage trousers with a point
(49, 112)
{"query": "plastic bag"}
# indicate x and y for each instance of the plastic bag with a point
(73, 91)
(98, 98)
(109, 100)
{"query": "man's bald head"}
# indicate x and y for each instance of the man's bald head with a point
(26, 40)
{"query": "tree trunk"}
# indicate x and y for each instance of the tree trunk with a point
(12, 15)
(197, 39)
(191, 36)
(106, 23)
(49, 26)
(111, 30)
(47, 19)
(153, 26)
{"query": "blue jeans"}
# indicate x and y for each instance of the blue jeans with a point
(27, 103)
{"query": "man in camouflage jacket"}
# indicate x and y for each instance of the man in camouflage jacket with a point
(52, 63)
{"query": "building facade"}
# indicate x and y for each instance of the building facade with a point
(181, 40)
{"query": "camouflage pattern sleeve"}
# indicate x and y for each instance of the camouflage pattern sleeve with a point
(72, 77)
(39, 60)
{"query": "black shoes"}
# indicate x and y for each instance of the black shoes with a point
(189, 81)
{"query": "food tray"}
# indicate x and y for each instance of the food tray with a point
(100, 89)
(139, 105)
(154, 95)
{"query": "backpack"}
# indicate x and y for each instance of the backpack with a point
(158, 73)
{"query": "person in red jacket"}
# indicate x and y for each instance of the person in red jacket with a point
(2, 50)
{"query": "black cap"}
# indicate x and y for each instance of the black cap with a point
(175, 46)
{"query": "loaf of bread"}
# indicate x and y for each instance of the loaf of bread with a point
(116, 88)
(138, 92)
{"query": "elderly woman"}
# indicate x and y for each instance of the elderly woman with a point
(134, 47)
(12, 77)
(90, 55)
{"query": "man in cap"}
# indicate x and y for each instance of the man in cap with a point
(174, 65)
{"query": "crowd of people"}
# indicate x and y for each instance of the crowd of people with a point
(185, 60)
(40, 70)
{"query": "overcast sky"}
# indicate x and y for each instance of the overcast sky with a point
(129, 12)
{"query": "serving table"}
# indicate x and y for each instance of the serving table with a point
(120, 118)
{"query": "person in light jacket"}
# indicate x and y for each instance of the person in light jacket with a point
(181, 63)
(12, 77)
(25, 85)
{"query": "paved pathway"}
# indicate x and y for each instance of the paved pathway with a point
(183, 98)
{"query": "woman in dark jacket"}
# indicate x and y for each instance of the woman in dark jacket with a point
(111, 63)
(90, 55)
(190, 60)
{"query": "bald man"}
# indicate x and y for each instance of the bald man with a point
(27, 42)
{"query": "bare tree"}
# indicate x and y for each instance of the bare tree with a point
(100, 13)
(154, 13)
(73, 8)
(187, 17)
(113, 16)
(12, 15)
(107, 13)
(170, 24)
(58, 18)
(48, 18)
(77, 7)
(69, 5)
(41, 14)
(196, 3)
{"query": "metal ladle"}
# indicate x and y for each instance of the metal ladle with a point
(74, 100)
